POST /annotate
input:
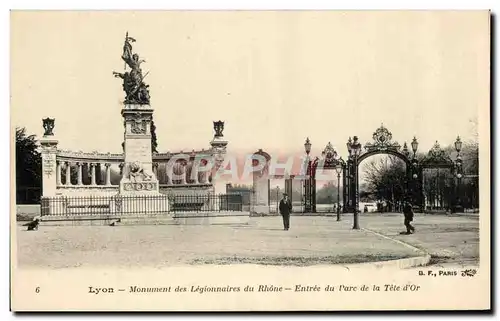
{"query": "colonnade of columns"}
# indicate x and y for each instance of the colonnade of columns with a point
(91, 169)
(185, 174)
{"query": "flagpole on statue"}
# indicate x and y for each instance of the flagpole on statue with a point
(125, 63)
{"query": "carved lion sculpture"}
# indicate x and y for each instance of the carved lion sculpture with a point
(139, 173)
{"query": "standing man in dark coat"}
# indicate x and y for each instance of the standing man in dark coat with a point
(408, 214)
(285, 210)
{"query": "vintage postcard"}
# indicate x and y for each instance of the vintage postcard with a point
(250, 160)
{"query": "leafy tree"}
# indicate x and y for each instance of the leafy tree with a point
(327, 194)
(470, 158)
(438, 186)
(469, 187)
(275, 194)
(28, 167)
(365, 194)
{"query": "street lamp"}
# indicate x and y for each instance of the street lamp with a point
(338, 169)
(349, 172)
(458, 172)
(307, 146)
(354, 148)
(277, 199)
(414, 146)
(414, 184)
(308, 188)
(458, 175)
(458, 145)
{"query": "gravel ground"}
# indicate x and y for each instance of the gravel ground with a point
(451, 240)
(310, 240)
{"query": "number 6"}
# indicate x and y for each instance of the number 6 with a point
(37, 290)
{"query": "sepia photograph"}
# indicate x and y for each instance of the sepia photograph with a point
(308, 156)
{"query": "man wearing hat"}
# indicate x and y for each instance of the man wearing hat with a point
(408, 214)
(285, 210)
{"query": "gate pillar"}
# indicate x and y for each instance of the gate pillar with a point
(51, 173)
(260, 192)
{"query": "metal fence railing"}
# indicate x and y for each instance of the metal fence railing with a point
(297, 207)
(137, 205)
(206, 203)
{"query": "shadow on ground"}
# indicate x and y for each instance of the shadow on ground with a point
(300, 261)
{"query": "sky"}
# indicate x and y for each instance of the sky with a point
(275, 78)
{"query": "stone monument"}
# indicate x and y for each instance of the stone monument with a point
(218, 150)
(138, 177)
(49, 152)
(138, 173)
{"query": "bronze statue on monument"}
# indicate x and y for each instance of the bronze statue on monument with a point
(218, 128)
(136, 91)
(48, 126)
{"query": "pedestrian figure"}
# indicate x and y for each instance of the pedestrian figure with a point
(408, 214)
(285, 210)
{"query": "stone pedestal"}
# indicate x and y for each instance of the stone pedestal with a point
(219, 145)
(260, 197)
(260, 194)
(138, 177)
(49, 173)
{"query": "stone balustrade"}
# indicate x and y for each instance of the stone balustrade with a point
(95, 156)
(165, 157)
(119, 157)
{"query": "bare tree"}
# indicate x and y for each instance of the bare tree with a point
(385, 179)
